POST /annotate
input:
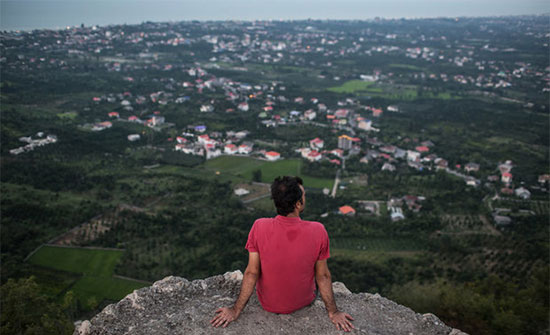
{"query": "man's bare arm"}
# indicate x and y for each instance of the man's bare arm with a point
(225, 315)
(324, 283)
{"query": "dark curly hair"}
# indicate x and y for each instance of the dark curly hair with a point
(285, 192)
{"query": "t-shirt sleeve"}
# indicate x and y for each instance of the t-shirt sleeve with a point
(251, 243)
(324, 250)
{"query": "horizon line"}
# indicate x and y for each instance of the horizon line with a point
(376, 18)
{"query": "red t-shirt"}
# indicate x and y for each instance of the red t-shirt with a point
(288, 249)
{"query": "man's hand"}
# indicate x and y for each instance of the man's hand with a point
(342, 321)
(224, 316)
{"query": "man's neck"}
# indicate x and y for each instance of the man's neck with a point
(295, 214)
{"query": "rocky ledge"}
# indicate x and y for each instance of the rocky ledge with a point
(175, 305)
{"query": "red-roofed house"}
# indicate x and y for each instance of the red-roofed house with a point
(335, 161)
(376, 112)
(506, 177)
(113, 114)
(133, 118)
(181, 140)
(272, 155)
(341, 113)
(422, 148)
(316, 143)
(204, 139)
(230, 149)
(102, 125)
(346, 210)
(314, 156)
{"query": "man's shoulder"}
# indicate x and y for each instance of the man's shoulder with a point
(314, 225)
(263, 221)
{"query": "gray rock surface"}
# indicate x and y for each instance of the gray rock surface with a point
(175, 305)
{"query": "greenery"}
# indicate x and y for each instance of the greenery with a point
(26, 311)
(95, 267)
(246, 168)
(170, 213)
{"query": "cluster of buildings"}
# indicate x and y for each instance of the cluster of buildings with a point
(394, 207)
(216, 144)
(33, 143)
(270, 42)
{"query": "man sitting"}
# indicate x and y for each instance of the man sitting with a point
(287, 255)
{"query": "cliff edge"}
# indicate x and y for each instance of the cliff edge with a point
(175, 305)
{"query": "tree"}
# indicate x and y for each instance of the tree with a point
(257, 175)
(26, 311)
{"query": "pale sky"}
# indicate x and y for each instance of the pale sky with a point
(33, 14)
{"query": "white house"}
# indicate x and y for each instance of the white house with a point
(388, 167)
(230, 149)
(241, 191)
(314, 156)
(523, 193)
(365, 124)
(133, 137)
(207, 108)
(396, 214)
(245, 148)
(272, 155)
(243, 106)
(310, 114)
(413, 155)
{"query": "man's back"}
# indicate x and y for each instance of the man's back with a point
(286, 257)
(288, 249)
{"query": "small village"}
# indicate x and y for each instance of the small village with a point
(134, 152)
(353, 125)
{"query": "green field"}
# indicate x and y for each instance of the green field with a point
(409, 92)
(375, 249)
(95, 269)
(245, 166)
(355, 86)
(406, 67)
(377, 244)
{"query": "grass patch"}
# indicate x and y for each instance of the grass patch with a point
(377, 244)
(408, 92)
(96, 268)
(264, 204)
(68, 115)
(352, 86)
(406, 67)
(245, 166)
(375, 249)
(372, 256)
